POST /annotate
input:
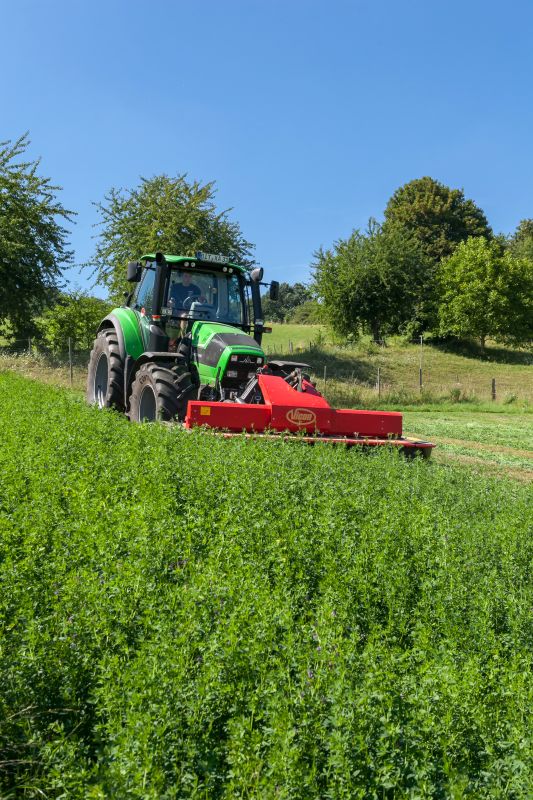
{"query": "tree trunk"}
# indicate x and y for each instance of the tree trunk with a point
(376, 330)
(482, 343)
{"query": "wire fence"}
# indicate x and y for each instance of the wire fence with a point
(68, 366)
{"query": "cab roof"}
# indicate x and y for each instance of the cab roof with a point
(200, 259)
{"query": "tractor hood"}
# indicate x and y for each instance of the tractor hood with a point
(207, 334)
(224, 351)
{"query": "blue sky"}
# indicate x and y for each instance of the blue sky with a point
(308, 114)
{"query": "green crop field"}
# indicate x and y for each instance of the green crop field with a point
(188, 617)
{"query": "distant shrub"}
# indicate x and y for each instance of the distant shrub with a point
(309, 313)
(455, 394)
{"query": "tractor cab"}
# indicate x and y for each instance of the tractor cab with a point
(176, 291)
(194, 289)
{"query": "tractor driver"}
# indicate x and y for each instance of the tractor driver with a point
(185, 293)
(182, 296)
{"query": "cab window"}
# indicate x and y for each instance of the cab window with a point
(144, 296)
(205, 295)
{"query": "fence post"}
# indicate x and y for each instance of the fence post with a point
(379, 383)
(290, 346)
(29, 345)
(70, 360)
(421, 362)
(493, 389)
(325, 375)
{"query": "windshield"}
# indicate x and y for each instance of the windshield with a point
(204, 295)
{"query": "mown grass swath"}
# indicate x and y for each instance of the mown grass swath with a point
(184, 616)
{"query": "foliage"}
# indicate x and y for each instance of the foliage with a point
(308, 313)
(373, 281)
(33, 243)
(438, 216)
(516, 286)
(291, 296)
(485, 293)
(167, 214)
(75, 315)
(521, 242)
(340, 626)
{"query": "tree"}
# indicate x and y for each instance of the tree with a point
(486, 294)
(167, 214)
(309, 313)
(33, 243)
(521, 242)
(516, 282)
(371, 281)
(75, 315)
(290, 297)
(438, 216)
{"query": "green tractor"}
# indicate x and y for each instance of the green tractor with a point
(191, 329)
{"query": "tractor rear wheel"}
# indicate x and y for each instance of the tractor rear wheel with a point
(105, 380)
(161, 394)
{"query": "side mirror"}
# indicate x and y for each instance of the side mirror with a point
(134, 272)
(256, 275)
(274, 290)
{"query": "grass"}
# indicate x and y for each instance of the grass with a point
(450, 379)
(500, 442)
(184, 616)
(51, 370)
(449, 375)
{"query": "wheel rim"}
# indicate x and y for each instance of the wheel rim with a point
(147, 405)
(100, 381)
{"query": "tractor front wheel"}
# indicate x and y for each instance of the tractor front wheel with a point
(105, 380)
(160, 394)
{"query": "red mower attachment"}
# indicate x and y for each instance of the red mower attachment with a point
(288, 409)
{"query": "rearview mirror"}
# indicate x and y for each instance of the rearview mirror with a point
(134, 272)
(274, 290)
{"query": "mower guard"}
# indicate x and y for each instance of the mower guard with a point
(288, 411)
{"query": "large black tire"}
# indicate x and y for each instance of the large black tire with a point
(160, 394)
(105, 379)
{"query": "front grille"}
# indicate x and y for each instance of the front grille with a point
(244, 367)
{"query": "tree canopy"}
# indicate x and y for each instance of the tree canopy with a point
(169, 214)
(521, 242)
(33, 241)
(485, 293)
(371, 281)
(385, 280)
(440, 217)
(290, 297)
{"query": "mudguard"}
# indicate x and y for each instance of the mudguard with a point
(126, 325)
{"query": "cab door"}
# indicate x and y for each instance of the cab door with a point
(142, 302)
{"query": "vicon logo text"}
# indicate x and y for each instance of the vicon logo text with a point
(301, 416)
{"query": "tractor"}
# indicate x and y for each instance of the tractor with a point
(186, 347)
